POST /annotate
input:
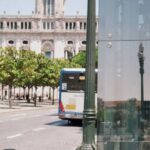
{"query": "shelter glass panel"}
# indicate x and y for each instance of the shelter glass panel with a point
(124, 74)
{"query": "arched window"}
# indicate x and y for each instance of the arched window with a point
(70, 42)
(30, 25)
(49, 54)
(84, 25)
(1, 25)
(83, 42)
(25, 42)
(26, 25)
(11, 42)
(15, 25)
(66, 26)
(22, 25)
(52, 25)
(47, 49)
(70, 25)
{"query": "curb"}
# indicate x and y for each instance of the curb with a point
(5, 108)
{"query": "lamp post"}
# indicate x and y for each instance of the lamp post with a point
(89, 99)
(141, 63)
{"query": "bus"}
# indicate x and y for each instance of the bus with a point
(71, 93)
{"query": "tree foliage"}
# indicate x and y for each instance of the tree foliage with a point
(8, 69)
(80, 59)
(25, 68)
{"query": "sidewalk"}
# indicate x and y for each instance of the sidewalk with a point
(19, 105)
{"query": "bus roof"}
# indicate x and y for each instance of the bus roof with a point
(65, 70)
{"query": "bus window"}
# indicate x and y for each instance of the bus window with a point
(64, 86)
(72, 82)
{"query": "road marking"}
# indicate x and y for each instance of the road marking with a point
(17, 115)
(14, 136)
(47, 114)
(21, 117)
(35, 116)
(14, 119)
(38, 129)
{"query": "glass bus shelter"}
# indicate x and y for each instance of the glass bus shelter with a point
(124, 75)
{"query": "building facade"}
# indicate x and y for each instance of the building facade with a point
(46, 31)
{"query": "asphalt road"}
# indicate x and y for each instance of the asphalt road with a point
(38, 130)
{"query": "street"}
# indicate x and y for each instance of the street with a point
(37, 130)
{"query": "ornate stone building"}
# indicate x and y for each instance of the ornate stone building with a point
(46, 31)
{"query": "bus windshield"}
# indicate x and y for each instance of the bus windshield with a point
(73, 82)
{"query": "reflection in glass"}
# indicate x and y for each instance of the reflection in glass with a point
(125, 119)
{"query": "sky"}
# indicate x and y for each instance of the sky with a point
(11, 7)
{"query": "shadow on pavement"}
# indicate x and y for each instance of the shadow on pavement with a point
(9, 149)
(26, 105)
(6, 108)
(64, 123)
(54, 114)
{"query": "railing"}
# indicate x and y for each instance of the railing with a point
(43, 30)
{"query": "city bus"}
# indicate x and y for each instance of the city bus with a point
(71, 93)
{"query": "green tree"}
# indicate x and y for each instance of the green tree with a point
(8, 69)
(54, 74)
(2, 72)
(80, 59)
(42, 72)
(27, 69)
(26, 66)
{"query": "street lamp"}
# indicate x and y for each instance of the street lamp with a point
(141, 63)
(89, 99)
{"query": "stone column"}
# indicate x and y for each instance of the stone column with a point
(77, 25)
(5, 24)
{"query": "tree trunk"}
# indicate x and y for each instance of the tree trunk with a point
(53, 96)
(28, 95)
(19, 93)
(14, 93)
(42, 93)
(2, 92)
(49, 96)
(9, 97)
(6, 93)
(35, 97)
(31, 92)
(24, 93)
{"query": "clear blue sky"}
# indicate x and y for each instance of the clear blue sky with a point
(27, 6)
